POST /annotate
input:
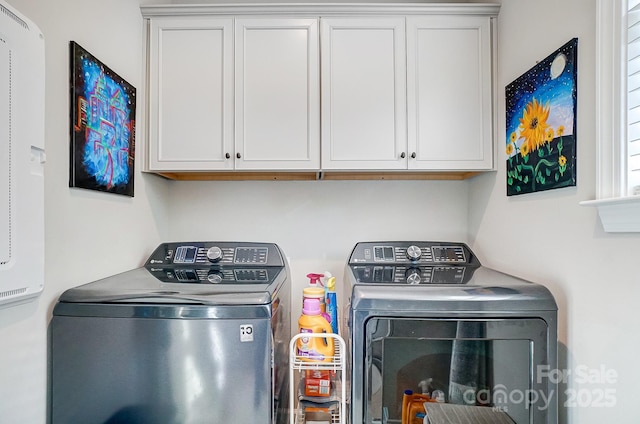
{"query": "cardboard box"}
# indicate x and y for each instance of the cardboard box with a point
(317, 383)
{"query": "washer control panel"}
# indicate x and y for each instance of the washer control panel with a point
(222, 253)
(216, 262)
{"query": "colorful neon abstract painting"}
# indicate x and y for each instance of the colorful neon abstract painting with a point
(541, 124)
(103, 110)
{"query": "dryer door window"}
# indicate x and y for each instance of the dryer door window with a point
(487, 362)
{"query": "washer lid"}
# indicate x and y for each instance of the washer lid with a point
(141, 286)
(204, 273)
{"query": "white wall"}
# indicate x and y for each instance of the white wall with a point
(88, 234)
(317, 223)
(548, 238)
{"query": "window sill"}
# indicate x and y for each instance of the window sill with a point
(618, 214)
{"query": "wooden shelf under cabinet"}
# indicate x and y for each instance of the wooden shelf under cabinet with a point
(302, 176)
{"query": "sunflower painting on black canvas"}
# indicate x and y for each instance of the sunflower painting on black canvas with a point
(541, 124)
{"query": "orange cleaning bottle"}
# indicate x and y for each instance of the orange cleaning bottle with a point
(412, 404)
(311, 321)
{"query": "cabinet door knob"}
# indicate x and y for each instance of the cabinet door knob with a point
(402, 155)
(238, 155)
(227, 155)
(413, 155)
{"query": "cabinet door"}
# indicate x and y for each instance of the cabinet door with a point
(363, 93)
(277, 119)
(449, 93)
(190, 94)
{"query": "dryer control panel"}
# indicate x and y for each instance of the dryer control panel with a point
(412, 262)
(418, 252)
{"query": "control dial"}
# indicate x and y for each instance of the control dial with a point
(413, 253)
(214, 277)
(214, 254)
(413, 276)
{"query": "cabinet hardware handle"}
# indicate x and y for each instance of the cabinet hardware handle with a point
(227, 155)
(413, 155)
(238, 155)
(402, 155)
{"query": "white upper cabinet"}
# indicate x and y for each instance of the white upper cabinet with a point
(363, 93)
(277, 94)
(303, 88)
(190, 94)
(449, 93)
(274, 106)
(423, 102)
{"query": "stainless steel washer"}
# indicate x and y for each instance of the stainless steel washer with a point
(198, 335)
(429, 318)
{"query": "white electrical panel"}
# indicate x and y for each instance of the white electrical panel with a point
(22, 157)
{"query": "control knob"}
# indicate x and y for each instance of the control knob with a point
(413, 253)
(214, 277)
(413, 276)
(214, 254)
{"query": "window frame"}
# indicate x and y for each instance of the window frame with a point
(618, 211)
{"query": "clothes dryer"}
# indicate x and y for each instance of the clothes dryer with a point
(427, 317)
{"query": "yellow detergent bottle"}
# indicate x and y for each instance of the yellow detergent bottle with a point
(319, 349)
